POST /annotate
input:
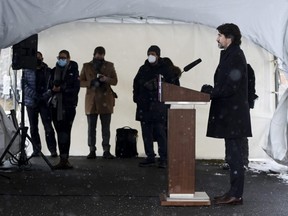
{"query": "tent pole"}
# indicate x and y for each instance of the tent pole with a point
(277, 81)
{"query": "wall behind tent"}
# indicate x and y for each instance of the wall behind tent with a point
(126, 46)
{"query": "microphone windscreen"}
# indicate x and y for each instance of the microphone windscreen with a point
(191, 65)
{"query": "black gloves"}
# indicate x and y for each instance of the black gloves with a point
(95, 83)
(207, 89)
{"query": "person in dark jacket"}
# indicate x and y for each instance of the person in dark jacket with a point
(174, 71)
(65, 86)
(252, 96)
(152, 113)
(229, 116)
(35, 100)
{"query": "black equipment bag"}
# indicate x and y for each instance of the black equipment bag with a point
(126, 142)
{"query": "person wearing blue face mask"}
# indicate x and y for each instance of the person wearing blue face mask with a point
(62, 62)
(64, 85)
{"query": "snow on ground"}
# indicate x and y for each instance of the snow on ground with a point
(270, 167)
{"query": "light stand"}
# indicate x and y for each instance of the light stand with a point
(22, 131)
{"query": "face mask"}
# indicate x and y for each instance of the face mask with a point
(98, 60)
(62, 62)
(98, 63)
(152, 59)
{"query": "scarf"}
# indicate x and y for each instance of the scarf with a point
(59, 77)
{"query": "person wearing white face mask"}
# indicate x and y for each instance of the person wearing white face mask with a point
(152, 59)
(152, 113)
(64, 86)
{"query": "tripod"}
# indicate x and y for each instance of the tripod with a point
(22, 131)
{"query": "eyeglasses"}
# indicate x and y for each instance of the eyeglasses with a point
(61, 57)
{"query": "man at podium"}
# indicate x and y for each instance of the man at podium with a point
(229, 116)
(150, 111)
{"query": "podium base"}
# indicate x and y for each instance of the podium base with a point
(198, 199)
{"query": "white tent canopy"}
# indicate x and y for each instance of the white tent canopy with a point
(262, 21)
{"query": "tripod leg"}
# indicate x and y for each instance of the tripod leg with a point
(42, 155)
(23, 157)
(46, 160)
(9, 145)
(5, 176)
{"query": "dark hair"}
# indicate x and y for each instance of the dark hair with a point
(232, 31)
(40, 54)
(100, 50)
(65, 52)
(154, 48)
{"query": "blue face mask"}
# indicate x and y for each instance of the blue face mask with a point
(62, 62)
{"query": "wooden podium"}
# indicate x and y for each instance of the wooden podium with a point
(181, 145)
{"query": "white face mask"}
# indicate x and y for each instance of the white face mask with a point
(152, 59)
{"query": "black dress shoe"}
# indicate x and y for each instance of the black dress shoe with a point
(91, 155)
(54, 154)
(108, 155)
(63, 164)
(228, 200)
(147, 162)
(221, 196)
(225, 166)
(162, 164)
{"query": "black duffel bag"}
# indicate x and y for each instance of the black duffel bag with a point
(126, 142)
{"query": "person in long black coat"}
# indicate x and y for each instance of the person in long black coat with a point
(229, 116)
(150, 111)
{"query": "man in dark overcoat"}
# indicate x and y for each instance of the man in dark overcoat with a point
(229, 116)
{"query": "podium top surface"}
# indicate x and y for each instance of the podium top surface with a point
(174, 93)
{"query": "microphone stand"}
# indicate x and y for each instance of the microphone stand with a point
(160, 88)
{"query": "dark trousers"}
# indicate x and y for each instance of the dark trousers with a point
(245, 151)
(105, 126)
(154, 131)
(235, 160)
(33, 116)
(63, 128)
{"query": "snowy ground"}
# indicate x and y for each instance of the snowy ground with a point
(270, 167)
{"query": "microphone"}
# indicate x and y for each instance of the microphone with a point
(191, 65)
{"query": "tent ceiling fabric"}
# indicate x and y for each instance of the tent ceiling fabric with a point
(262, 21)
